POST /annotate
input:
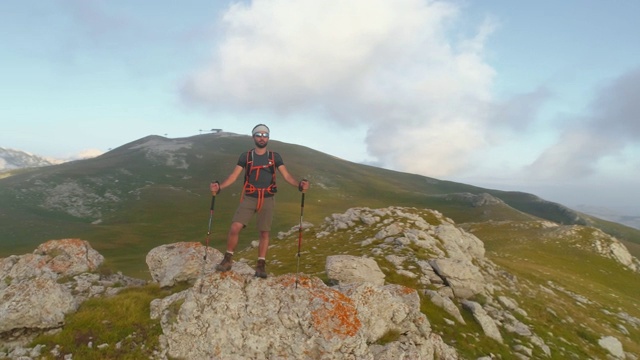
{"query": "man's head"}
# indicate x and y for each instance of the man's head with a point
(260, 135)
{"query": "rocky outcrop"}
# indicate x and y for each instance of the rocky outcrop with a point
(32, 298)
(451, 267)
(601, 243)
(453, 257)
(228, 315)
(39, 289)
(447, 262)
(235, 315)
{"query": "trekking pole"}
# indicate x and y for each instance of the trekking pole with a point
(213, 203)
(299, 240)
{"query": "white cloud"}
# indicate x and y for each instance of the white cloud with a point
(391, 66)
(611, 128)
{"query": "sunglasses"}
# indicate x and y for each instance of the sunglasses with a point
(264, 135)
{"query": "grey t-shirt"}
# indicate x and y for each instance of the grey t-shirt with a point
(262, 170)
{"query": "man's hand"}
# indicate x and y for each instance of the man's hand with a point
(215, 187)
(303, 185)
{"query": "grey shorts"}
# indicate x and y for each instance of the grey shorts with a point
(247, 209)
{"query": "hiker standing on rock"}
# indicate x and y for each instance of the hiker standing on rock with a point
(257, 197)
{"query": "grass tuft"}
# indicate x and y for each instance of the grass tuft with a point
(121, 322)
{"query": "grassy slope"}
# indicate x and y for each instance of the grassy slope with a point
(526, 251)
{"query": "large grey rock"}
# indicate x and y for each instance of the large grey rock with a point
(40, 303)
(485, 321)
(346, 269)
(446, 304)
(69, 257)
(459, 244)
(37, 290)
(234, 316)
(185, 261)
(20, 268)
(613, 346)
(616, 250)
(386, 309)
(53, 259)
(464, 278)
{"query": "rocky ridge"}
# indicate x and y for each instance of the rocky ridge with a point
(15, 159)
(356, 313)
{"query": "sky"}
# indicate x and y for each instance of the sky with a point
(535, 96)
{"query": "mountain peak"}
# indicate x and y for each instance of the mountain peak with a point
(11, 159)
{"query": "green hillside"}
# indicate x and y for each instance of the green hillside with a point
(154, 191)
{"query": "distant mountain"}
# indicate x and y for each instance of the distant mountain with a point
(11, 159)
(611, 215)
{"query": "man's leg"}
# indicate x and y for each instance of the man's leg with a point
(263, 245)
(265, 217)
(232, 241)
(233, 236)
(242, 216)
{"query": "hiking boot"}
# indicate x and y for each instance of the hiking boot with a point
(225, 264)
(261, 271)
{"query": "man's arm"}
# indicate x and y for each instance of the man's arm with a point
(302, 185)
(215, 187)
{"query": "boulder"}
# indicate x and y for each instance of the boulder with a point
(229, 315)
(613, 346)
(69, 257)
(185, 261)
(488, 325)
(346, 269)
(446, 304)
(53, 259)
(40, 303)
(386, 309)
(459, 244)
(464, 278)
(37, 290)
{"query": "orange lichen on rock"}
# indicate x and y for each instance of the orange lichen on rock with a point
(336, 315)
(230, 275)
(290, 280)
(53, 245)
(404, 290)
(332, 313)
(192, 244)
(58, 267)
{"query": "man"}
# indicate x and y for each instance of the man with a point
(257, 198)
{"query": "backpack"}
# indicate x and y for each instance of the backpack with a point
(250, 168)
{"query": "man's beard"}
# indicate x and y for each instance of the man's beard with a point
(261, 146)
